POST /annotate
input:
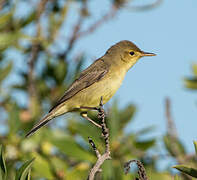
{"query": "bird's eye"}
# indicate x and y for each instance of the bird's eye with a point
(131, 53)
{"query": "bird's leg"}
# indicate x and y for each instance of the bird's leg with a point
(99, 109)
(85, 116)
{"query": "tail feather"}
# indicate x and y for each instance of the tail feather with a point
(41, 123)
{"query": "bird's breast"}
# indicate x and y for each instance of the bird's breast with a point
(111, 84)
(105, 87)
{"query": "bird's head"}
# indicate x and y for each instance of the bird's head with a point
(126, 52)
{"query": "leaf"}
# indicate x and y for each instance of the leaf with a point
(4, 72)
(191, 83)
(187, 170)
(126, 115)
(60, 71)
(174, 146)
(145, 130)
(145, 145)
(195, 145)
(2, 163)
(5, 20)
(68, 146)
(194, 68)
(23, 172)
(176, 177)
(9, 39)
(42, 167)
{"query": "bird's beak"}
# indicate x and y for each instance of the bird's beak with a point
(147, 54)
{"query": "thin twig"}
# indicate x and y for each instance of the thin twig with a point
(141, 169)
(98, 23)
(170, 122)
(98, 155)
(35, 53)
(77, 33)
(172, 132)
(145, 7)
(76, 29)
(105, 134)
(2, 2)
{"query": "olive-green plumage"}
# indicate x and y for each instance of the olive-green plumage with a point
(102, 78)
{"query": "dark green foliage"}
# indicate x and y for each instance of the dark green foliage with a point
(187, 169)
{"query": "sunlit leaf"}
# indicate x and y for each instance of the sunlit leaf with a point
(5, 19)
(191, 83)
(23, 172)
(187, 170)
(195, 145)
(42, 167)
(9, 39)
(176, 177)
(194, 68)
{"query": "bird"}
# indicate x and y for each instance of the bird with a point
(101, 79)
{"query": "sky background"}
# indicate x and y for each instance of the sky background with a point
(169, 31)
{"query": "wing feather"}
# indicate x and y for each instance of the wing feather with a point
(89, 76)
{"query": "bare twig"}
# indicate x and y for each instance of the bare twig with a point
(145, 7)
(77, 33)
(35, 52)
(141, 169)
(76, 29)
(2, 2)
(98, 23)
(170, 122)
(105, 134)
(172, 132)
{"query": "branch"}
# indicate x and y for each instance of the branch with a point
(2, 3)
(35, 49)
(141, 169)
(77, 33)
(146, 7)
(170, 122)
(105, 134)
(98, 23)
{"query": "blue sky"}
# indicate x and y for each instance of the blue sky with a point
(170, 32)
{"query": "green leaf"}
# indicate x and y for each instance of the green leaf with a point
(68, 146)
(191, 83)
(174, 146)
(5, 20)
(8, 39)
(145, 145)
(2, 163)
(187, 170)
(23, 172)
(42, 167)
(60, 71)
(176, 177)
(195, 145)
(194, 68)
(28, 177)
(4, 72)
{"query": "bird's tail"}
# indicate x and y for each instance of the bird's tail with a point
(41, 123)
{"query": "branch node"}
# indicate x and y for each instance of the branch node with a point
(105, 133)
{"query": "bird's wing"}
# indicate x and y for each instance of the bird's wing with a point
(89, 76)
